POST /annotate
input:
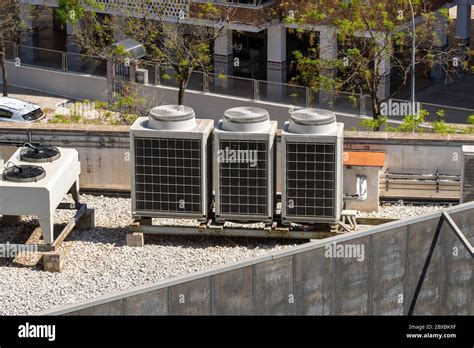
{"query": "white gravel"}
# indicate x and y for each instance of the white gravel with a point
(98, 262)
(400, 210)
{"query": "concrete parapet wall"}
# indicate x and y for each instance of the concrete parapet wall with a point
(104, 150)
(303, 281)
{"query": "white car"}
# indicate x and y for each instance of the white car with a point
(15, 110)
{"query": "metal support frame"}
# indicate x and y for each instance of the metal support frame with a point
(270, 230)
(445, 217)
(80, 208)
(212, 228)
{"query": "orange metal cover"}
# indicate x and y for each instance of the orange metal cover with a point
(367, 159)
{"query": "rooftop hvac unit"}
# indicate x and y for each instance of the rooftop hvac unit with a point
(467, 174)
(244, 165)
(34, 182)
(170, 164)
(312, 145)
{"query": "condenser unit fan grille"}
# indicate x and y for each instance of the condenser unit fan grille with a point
(23, 173)
(39, 154)
(310, 179)
(244, 177)
(168, 175)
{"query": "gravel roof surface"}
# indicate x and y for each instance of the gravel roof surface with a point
(97, 262)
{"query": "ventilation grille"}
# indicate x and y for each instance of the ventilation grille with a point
(23, 173)
(168, 175)
(468, 179)
(244, 186)
(39, 154)
(310, 179)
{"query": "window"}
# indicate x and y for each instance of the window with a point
(34, 115)
(5, 114)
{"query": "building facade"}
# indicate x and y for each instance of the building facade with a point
(259, 44)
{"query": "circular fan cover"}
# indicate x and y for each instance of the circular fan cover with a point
(39, 154)
(172, 113)
(24, 173)
(246, 115)
(313, 117)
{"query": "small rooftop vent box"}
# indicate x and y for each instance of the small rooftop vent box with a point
(171, 174)
(467, 174)
(312, 146)
(244, 173)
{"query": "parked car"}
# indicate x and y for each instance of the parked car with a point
(15, 110)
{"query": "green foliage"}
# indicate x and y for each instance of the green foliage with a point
(470, 119)
(441, 114)
(412, 123)
(440, 127)
(374, 124)
(72, 11)
(60, 119)
(355, 65)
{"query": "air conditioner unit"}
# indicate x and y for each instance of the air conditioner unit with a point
(35, 180)
(170, 164)
(467, 174)
(244, 165)
(312, 146)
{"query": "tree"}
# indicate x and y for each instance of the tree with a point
(11, 27)
(168, 41)
(366, 37)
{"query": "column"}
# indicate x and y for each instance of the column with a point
(223, 53)
(73, 50)
(327, 51)
(223, 61)
(276, 65)
(441, 44)
(463, 22)
(30, 39)
(276, 54)
(119, 22)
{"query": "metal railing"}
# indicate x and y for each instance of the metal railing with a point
(272, 92)
(55, 60)
(452, 114)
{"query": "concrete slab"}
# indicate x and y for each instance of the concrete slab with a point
(53, 262)
(351, 283)
(387, 272)
(420, 237)
(109, 308)
(135, 240)
(150, 303)
(233, 292)
(313, 283)
(274, 293)
(456, 279)
(191, 298)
